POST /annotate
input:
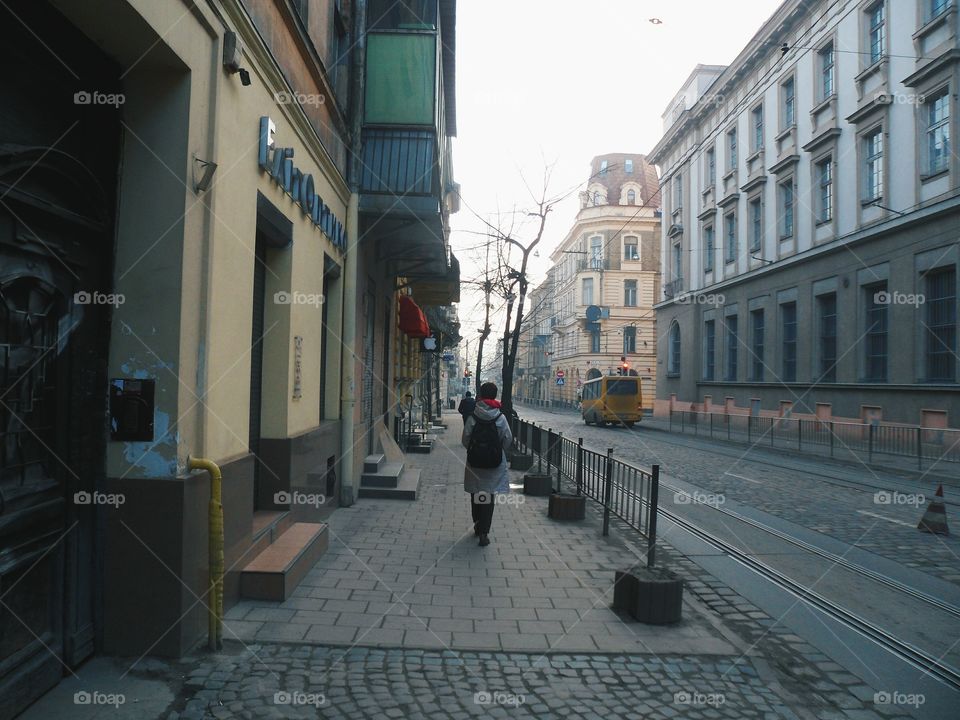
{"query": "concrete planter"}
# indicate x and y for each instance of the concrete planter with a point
(521, 462)
(538, 484)
(567, 507)
(654, 597)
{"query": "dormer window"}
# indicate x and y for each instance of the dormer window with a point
(628, 168)
(603, 167)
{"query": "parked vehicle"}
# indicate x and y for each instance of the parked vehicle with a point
(613, 399)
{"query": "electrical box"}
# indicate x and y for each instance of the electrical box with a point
(131, 409)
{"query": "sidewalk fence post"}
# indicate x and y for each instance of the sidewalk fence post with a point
(607, 488)
(652, 521)
(559, 446)
(831, 438)
(919, 449)
(538, 448)
(799, 435)
(870, 443)
(549, 449)
(580, 466)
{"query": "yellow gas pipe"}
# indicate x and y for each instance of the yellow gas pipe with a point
(215, 601)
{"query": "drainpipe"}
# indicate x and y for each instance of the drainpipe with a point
(215, 548)
(348, 336)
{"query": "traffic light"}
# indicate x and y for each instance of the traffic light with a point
(624, 368)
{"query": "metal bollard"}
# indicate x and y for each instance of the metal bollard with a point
(652, 521)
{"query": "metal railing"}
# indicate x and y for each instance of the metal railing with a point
(623, 490)
(839, 438)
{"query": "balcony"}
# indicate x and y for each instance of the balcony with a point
(593, 264)
(673, 288)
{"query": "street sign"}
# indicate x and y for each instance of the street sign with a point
(560, 381)
(560, 373)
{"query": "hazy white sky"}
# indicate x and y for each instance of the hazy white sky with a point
(560, 81)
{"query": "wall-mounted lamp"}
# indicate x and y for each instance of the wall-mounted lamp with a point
(232, 56)
(203, 171)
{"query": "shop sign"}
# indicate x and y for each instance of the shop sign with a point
(277, 162)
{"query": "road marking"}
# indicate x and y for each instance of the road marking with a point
(756, 482)
(884, 517)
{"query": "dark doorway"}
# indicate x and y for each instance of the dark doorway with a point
(256, 356)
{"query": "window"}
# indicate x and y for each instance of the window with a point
(827, 328)
(673, 350)
(732, 149)
(733, 347)
(827, 66)
(587, 296)
(873, 165)
(631, 197)
(595, 342)
(629, 339)
(709, 350)
(876, 33)
(875, 345)
(756, 345)
(630, 293)
(708, 244)
(786, 209)
(756, 121)
(630, 248)
(788, 94)
(677, 263)
(678, 191)
(603, 167)
(936, 8)
(788, 335)
(628, 166)
(596, 252)
(756, 225)
(597, 198)
(730, 236)
(940, 325)
(824, 175)
(937, 111)
(712, 166)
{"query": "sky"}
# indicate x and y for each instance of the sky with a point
(553, 83)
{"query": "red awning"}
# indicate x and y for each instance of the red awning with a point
(412, 320)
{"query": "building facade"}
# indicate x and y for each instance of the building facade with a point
(188, 270)
(809, 247)
(599, 294)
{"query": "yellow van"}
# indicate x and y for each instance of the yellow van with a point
(612, 399)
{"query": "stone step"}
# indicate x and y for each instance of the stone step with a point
(387, 476)
(279, 568)
(371, 463)
(406, 488)
(422, 447)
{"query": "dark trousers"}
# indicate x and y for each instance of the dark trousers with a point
(481, 506)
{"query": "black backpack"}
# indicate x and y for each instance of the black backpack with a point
(485, 449)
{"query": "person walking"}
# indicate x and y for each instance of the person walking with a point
(487, 437)
(466, 406)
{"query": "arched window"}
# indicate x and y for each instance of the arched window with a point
(631, 197)
(597, 199)
(673, 350)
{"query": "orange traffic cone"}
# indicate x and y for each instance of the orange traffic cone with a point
(934, 520)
